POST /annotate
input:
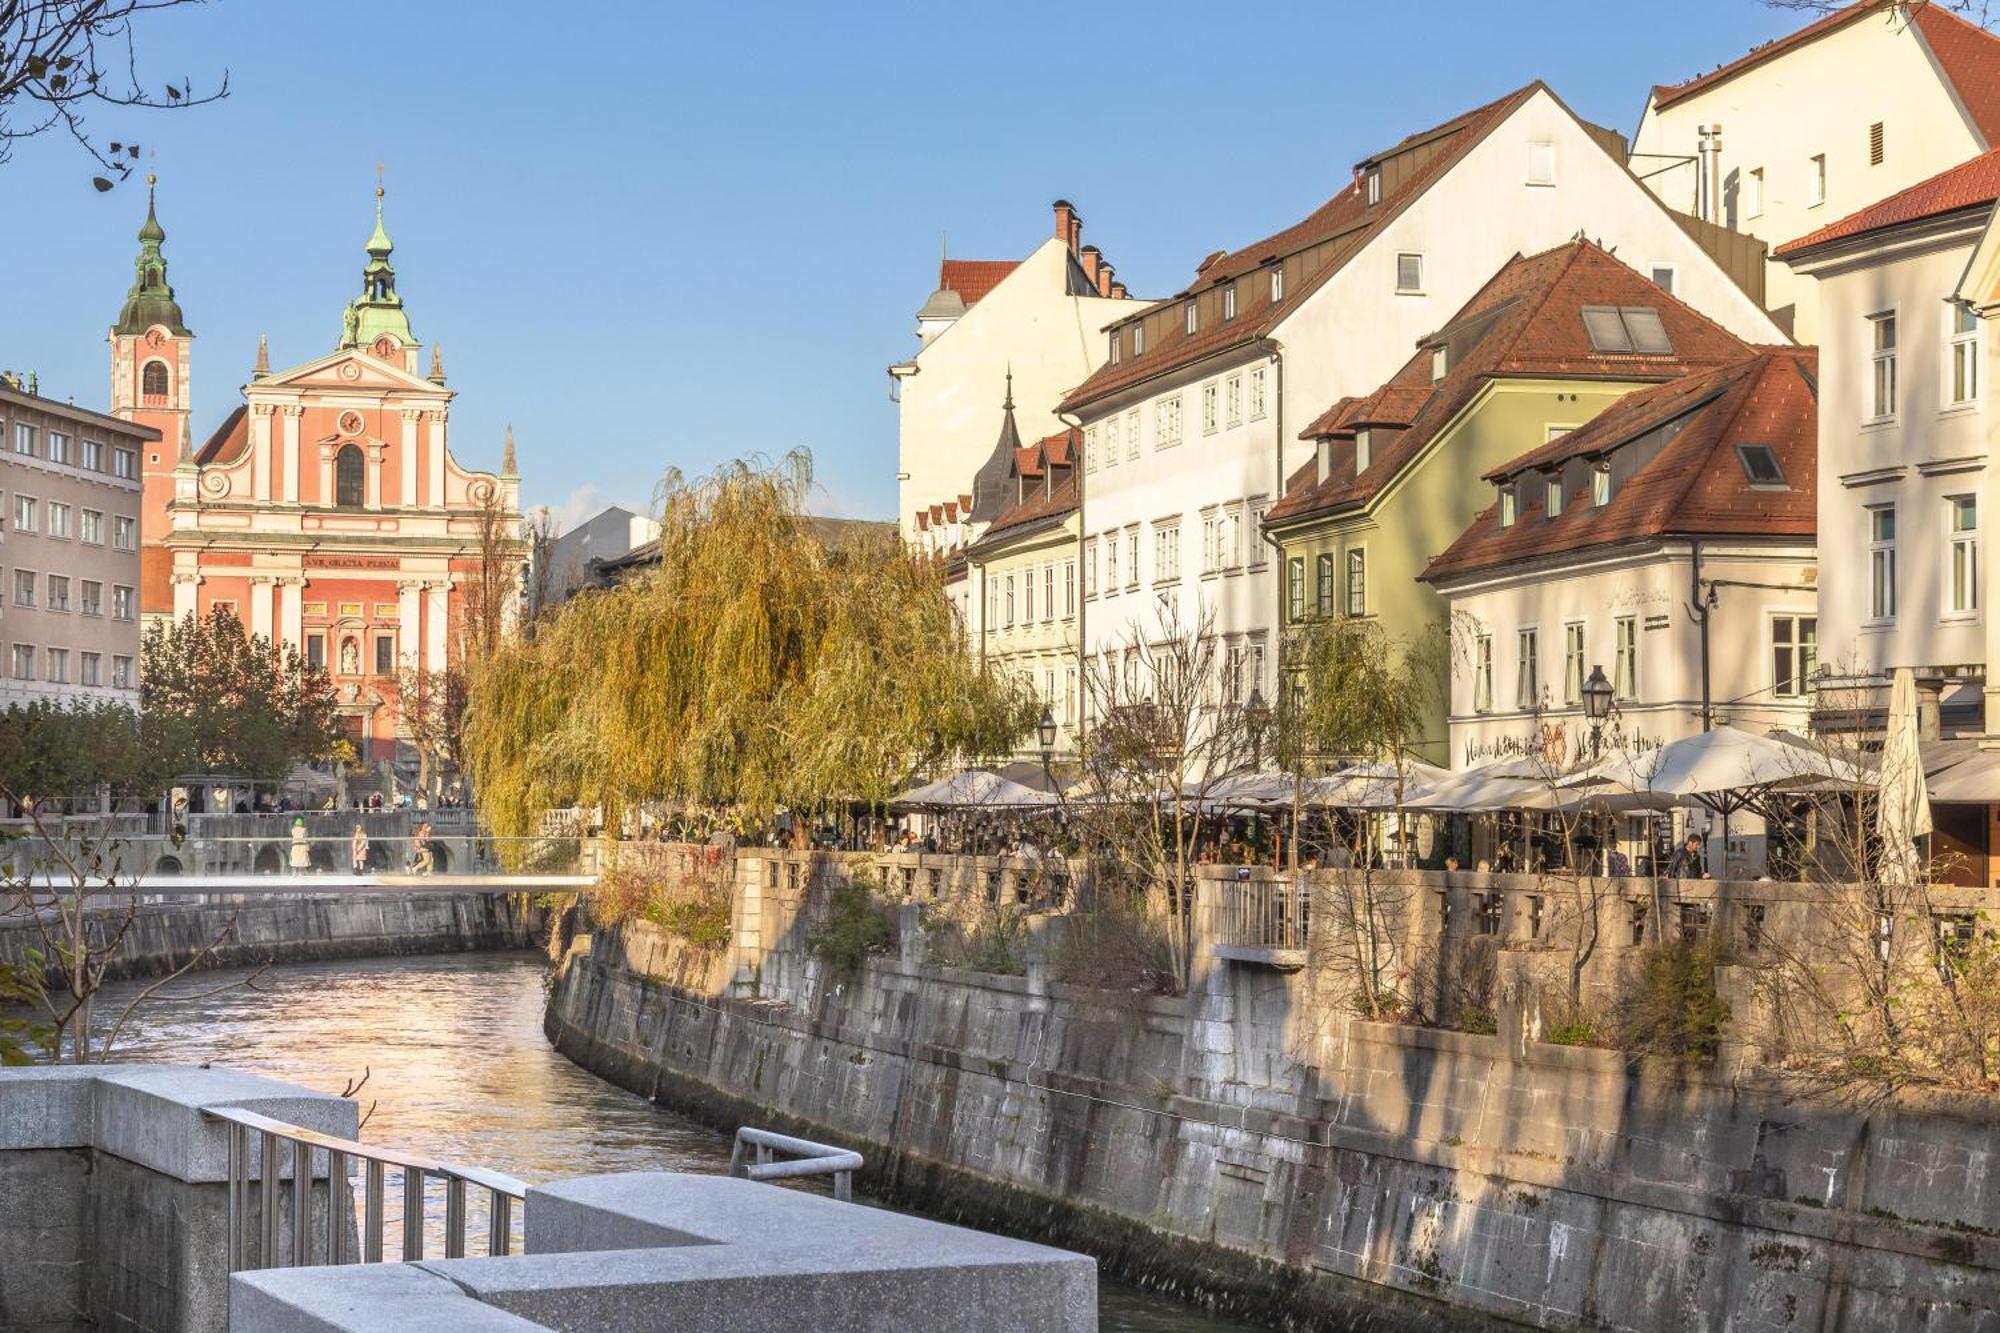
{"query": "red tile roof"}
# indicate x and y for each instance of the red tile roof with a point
(1314, 249)
(973, 278)
(1052, 454)
(231, 438)
(1968, 55)
(1526, 321)
(1963, 186)
(1688, 479)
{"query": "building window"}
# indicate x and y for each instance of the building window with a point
(1111, 442)
(1295, 588)
(1882, 563)
(58, 592)
(121, 673)
(1277, 283)
(24, 439)
(1482, 674)
(1794, 655)
(1008, 623)
(1364, 450)
(1875, 144)
(1962, 374)
(1208, 401)
(1374, 186)
(1193, 317)
(1132, 556)
(24, 587)
(1882, 358)
(350, 483)
(1323, 585)
(1232, 539)
(1357, 582)
(90, 669)
(124, 532)
(1962, 578)
(1090, 450)
(92, 527)
(1027, 596)
(1440, 362)
(1257, 394)
(93, 456)
(1111, 562)
(1527, 670)
(1761, 467)
(1167, 553)
(1069, 588)
(24, 662)
(58, 663)
(121, 602)
(1552, 497)
(1132, 433)
(1409, 272)
(1138, 340)
(58, 519)
(1232, 400)
(385, 654)
(1600, 485)
(1753, 193)
(1507, 503)
(1229, 301)
(24, 513)
(1664, 274)
(58, 447)
(1573, 663)
(93, 598)
(1541, 163)
(153, 380)
(1627, 328)
(1211, 528)
(1169, 418)
(1625, 663)
(1815, 180)
(1114, 347)
(1049, 591)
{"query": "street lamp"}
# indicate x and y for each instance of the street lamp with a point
(1596, 706)
(1046, 731)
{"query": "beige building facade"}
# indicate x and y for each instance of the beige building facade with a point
(70, 496)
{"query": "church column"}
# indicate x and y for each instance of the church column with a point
(260, 451)
(260, 604)
(435, 459)
(187, 589)
(292, 455)
(436, 597)
(292, 610)
(374, 452)
(410, 493)
(409, 622)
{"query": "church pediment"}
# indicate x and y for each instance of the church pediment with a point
(348, 371)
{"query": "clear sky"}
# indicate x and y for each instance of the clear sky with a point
(656, 235)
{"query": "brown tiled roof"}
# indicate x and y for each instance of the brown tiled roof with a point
(1314, 249)
(1526, 321)
(1030, 464)
(1963, 186)
(231, 438)
(973, 278)
(1695, 485)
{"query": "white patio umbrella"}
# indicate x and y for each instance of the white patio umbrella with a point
(1377, 786)
(1246, 791)
(1723, 769)
(1903, 806)
(971, 789)
(1499, 784)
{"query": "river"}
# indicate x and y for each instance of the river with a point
(457, 1068)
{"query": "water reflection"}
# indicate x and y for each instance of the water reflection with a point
(458, 1069)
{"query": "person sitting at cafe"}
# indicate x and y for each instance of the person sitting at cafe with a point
(1690, 862)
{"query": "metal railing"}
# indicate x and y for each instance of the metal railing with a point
(809, 1159)
(308, 1149)
(1266, 914)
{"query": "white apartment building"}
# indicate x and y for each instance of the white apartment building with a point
(1039, 320)
(1191, 424)
(1819, 124)
(1907, 292)
(69, 543)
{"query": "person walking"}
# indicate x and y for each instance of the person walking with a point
(301, 848)
(359, 847)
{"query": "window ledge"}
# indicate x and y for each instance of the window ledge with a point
(1960, 409)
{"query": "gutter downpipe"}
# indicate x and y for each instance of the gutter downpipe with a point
(1700, 613)
(1077, 470)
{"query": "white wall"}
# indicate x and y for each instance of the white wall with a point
(1818, 98)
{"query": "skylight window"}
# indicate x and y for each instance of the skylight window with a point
(1760, 465)
(1627, 328)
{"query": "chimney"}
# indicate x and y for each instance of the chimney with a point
(1089, 257)
(1105, 286)
(1117, 288)
(1069, 227)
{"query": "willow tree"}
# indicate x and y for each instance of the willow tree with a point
(756, 665)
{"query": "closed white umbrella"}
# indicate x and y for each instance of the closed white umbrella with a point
(1903, 806)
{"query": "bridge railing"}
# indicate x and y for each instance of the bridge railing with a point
(258, 1151)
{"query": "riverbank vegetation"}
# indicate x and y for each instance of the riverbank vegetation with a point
(759, 665)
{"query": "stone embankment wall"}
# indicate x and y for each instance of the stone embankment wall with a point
(297, 928)
(1244, 1144)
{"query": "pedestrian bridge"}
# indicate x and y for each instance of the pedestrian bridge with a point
(169, 887)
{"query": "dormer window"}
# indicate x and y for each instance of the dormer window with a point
(1440, 362)
(1372, 182)
(1277, 283)
(1600, 485)
(1229, 301)
(1193, 317)
(1760, 465)
(1552, 496)
(1507, 506)
(1364, 450)
(1627, 328)
(1138, 340)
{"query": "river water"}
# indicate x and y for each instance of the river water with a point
(458, 1069)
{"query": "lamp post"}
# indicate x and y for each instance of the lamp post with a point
(1597, 706)
(1045, 731)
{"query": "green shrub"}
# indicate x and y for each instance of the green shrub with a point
(1671, 1009)
(855, 926)
(1573, 1030)
(702, 922)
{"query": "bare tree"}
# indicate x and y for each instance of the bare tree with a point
(60, 58)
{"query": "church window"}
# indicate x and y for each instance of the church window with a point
(348, 482)
(153, 379)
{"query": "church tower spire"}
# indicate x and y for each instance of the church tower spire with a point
(150, 300)
(378, 312)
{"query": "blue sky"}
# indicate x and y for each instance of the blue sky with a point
(654, 235)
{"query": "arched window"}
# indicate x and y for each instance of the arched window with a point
(349, 484)
(153, 379)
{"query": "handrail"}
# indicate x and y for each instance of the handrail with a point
(816, 1159)
(503, 1192)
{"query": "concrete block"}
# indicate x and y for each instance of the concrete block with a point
(152, 1115)
(373, 1297)
(47, 1107)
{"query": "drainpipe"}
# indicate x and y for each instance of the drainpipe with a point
(1699, 611)
(1278, 484)
(1077, 470)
